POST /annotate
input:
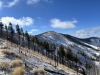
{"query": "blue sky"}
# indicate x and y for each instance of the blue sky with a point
(80, 18)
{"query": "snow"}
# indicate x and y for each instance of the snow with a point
(91, 53)
(95, 47)
(34, 60)
(31, 60)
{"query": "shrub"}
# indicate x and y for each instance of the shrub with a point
(35, 70)
(4, 65)
(3, 47)
(7, 52)
(60, 69)
(16, 63)
(39, 71)
(18, 71)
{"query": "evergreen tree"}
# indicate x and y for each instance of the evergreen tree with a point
(61, 51)
(18, 32)
(12, 34)
(69, 54)
(22, 33)
(1, 29)
(6, 28)
(11, 30)
(52, 47)
(35, 39)
(27, 38)
(33, 42)
(46, 47)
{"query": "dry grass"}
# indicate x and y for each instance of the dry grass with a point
(3, 47)
(35, 71)
(4, 65)
(60, 69)
(39, 71)
(16, 63)
(7, 52)
(18, 71)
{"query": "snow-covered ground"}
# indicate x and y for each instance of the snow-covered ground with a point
(32, 59)
(89, 50)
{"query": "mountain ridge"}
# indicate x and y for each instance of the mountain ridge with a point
(89, 40)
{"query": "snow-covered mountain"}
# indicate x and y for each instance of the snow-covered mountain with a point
(84, 48)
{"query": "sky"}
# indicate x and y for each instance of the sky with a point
(80, 18)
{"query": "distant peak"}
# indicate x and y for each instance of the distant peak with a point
(51, 32)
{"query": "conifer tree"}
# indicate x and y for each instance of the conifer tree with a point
(52, 47)
(11, 30)
(61, 53)
(27, 38)
(68, 54)
(22, 33)
(6, 28)
(1, 28)
(18, 32)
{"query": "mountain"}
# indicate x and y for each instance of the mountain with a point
(84, 58)
(92, 40)
(87, 49)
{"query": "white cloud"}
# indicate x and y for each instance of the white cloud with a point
(43, 26)
(48, 1)
(1, 4)
(33, 30)
(10, 4)
(32, 1)
(39, 17)
(37, 1)
(24, 21)
(56, 23)
(74, 20)
(87, 32)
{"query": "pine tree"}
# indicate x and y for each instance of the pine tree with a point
(12, 33)
(6, 28)
(35, 39)
(27, 38)
(61, 53)
(18, 32)
(11, 30)
(22, 33)
(52, 47)
(46, 47)
(1, 28)
(69, 54)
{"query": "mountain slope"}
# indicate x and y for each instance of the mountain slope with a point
(86, 49)
(32, 60)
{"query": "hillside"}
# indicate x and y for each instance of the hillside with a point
(30, 60)
(43, 51)
(87, 50)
